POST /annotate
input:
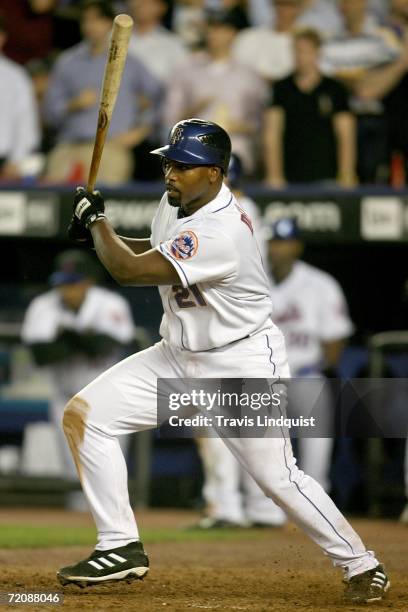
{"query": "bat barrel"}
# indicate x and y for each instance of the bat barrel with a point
(115, 63)
(123, 21)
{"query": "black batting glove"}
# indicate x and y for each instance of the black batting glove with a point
(79, 235)
(88, 207)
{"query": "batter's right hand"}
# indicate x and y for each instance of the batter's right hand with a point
(78, 234)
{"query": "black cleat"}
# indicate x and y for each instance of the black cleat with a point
(367, 587)
(124, 563)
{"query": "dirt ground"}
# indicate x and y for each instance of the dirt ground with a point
(282, 570)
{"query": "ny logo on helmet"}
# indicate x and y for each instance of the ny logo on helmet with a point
(177, 135)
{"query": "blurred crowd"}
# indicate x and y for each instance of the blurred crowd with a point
(311, 91)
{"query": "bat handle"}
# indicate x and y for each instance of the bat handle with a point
(90, 186)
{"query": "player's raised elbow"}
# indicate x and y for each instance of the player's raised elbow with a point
(122, 272)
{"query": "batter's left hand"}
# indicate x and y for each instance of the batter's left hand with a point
(88, 207)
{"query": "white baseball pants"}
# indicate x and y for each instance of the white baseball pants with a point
(123, 400)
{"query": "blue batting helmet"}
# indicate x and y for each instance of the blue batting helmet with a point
(199, 143)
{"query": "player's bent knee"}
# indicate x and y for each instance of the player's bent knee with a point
(74, 419)
(74, 424)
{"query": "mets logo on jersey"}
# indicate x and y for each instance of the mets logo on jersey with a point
(185, 245)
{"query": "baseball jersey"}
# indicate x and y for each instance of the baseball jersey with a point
(223, 294)
(309, 308)
(102, 312)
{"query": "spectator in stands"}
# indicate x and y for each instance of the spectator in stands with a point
(188, 21)
(362, 46)
(189, 17)
(31, 27)
(40, 71)
(160, 50)
(390, 84)
(213, 85)
(77, 330)
(268, 51)
(309, 130)
(320, 15)
(19, 131)
(71, 104)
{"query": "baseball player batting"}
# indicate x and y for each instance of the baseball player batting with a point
(217, 323)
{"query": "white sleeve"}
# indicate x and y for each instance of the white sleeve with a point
(334, 320)
(40, 323)
(116, 320)
(201, 256)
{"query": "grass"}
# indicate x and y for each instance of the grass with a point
(40, 536)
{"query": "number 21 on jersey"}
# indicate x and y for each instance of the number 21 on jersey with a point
(189, 297)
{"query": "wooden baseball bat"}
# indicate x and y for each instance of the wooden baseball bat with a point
(115, 63)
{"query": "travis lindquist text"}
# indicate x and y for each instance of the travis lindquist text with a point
(220, 420)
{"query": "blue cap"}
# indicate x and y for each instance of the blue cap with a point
(72, 267)
(284, 229)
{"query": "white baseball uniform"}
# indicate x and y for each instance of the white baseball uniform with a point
(217, 323)
(103, 312)
(310, 308)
